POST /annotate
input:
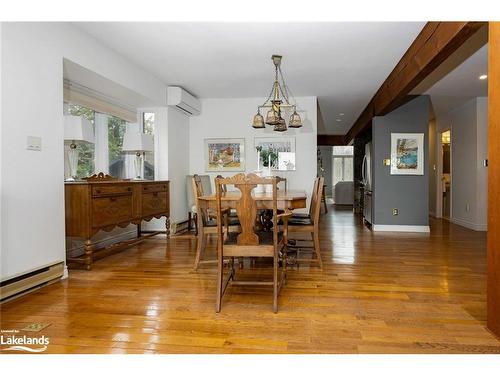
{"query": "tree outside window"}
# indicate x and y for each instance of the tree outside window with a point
(116, 130)
(86, 164)
(148, 122)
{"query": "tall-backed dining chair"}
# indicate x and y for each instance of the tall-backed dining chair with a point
(250, 242)
(207, 222)
(207, 189)
(309, 223)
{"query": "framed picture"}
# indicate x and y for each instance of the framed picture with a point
(407, 153)
(225, 154)
(279, 150)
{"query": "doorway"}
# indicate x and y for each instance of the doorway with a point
(343, 175)
(445, 178)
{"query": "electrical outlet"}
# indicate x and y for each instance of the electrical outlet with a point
(395, 212)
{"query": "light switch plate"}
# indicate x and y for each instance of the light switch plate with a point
(34, 143)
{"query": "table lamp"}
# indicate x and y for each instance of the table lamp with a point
(77, 129)
(137, 143)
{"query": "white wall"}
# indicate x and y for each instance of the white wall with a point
(1, 127)
(32, 199)
(469, 125)
(232, 118)
(482, 154)
(432, 167)
(178, 163)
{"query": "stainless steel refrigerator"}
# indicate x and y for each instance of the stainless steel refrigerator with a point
(366, 172)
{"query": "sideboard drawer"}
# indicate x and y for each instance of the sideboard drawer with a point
(151, 188)
(154, 203)
(104, 190)
(111, 210)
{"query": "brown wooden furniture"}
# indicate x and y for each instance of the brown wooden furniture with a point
(103, 203)
(206, 222)
(493, 287)
(291, 199)
(323, 198)
(250, 242)
(309, 223)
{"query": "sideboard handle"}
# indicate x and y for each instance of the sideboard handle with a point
(112, 199)
(98, 191)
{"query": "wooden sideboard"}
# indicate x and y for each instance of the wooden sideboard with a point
(103, 203)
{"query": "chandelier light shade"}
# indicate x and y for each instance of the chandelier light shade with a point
(272, 118)
(295, 120)
(276, 102)
(281, 126)
(258, 121)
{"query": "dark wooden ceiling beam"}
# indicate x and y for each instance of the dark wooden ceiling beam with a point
(435, 43)
(331, 140)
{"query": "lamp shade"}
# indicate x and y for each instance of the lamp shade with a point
(137, 142)
(78, 129)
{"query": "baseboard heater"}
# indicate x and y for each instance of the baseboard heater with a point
(24, 283)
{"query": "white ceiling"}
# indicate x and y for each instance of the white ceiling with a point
(343, 64)
(461, 84)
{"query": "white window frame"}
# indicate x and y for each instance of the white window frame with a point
(343, 157)
(140, 121)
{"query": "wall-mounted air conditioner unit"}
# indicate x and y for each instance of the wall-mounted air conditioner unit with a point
(184, 101)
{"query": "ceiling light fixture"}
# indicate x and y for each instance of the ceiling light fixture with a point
(483, 76)
(278, 99)
(338, 120)
(341, 114)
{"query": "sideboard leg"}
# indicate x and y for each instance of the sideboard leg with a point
(167, 225)
(139, 230)
(88, 254)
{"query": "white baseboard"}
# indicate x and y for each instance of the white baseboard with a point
(65, 273)
(401, 228)
(470, 225)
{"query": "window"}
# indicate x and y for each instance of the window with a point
(116, 157)
(106, 154)
(148, 127)
(342, 164)
(86, 163)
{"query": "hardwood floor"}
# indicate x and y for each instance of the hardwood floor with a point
(377, 293)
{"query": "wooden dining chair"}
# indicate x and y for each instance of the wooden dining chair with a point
(207, 222)
(250, 242)
(284, 180)
(323, 198)
(309, 223)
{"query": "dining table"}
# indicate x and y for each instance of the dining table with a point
(286, 199)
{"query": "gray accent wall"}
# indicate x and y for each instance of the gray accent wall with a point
(326, 155)
(409, 194)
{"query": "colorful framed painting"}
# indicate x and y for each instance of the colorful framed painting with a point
(407, 153)
(225, 155)
(280, 150)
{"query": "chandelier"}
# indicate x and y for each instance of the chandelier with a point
(277, 100)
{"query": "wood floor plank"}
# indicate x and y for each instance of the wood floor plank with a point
(377, 293)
